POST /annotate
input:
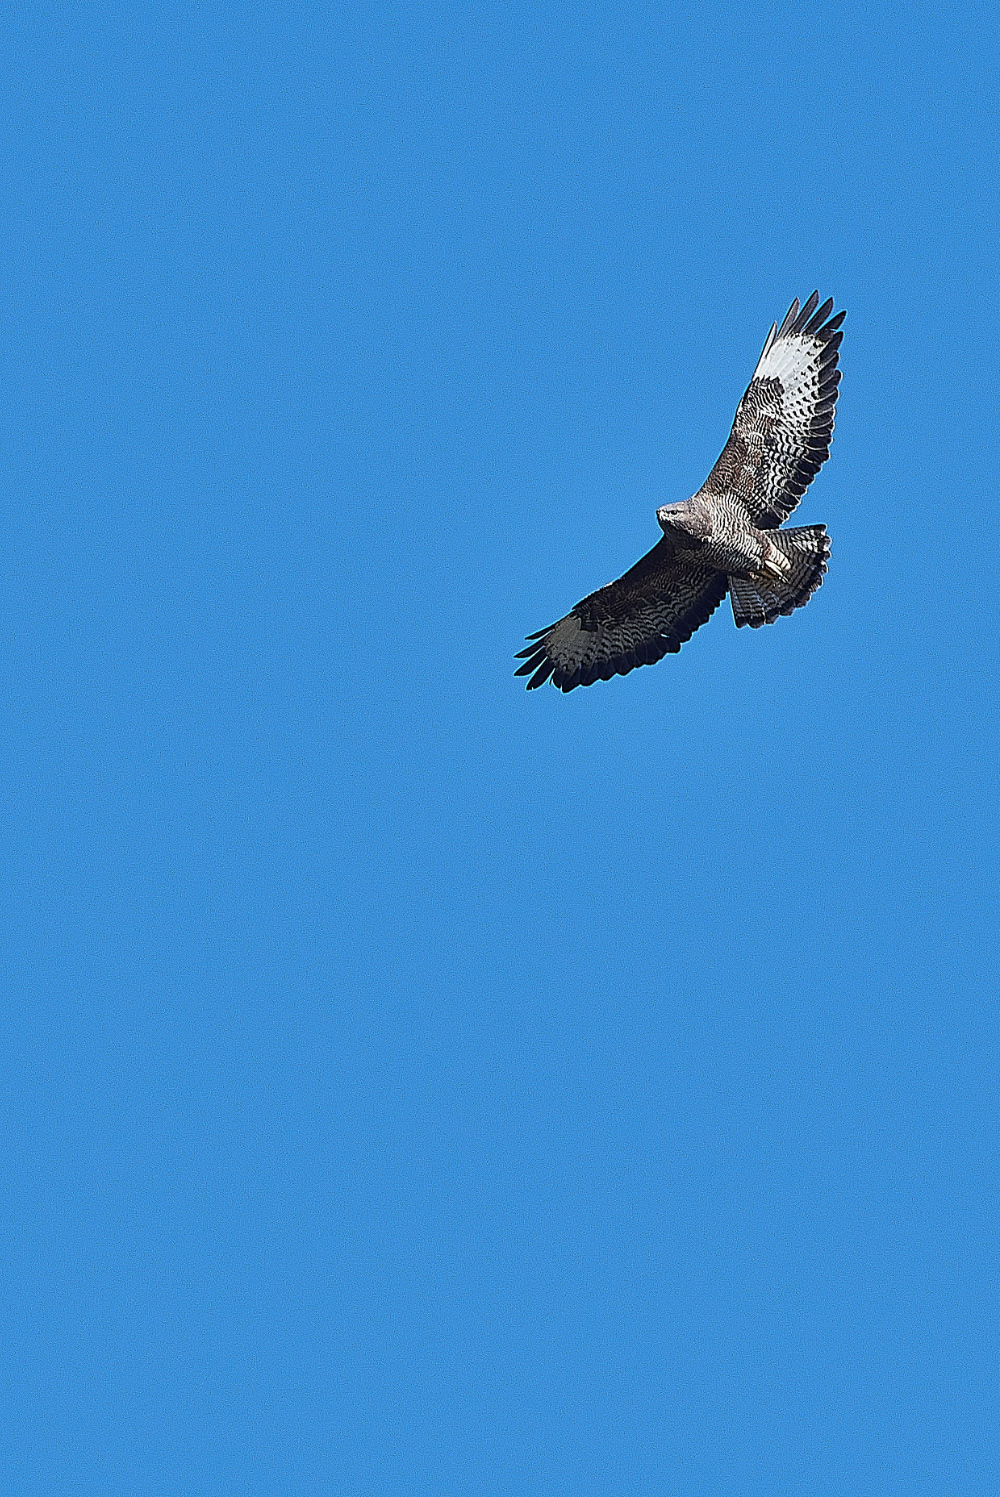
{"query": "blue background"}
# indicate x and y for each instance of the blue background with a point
(412, 1085)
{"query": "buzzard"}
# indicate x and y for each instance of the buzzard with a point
(726, 537)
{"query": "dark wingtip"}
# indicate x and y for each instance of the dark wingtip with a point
(819, 317)
(809, 308)
(542, 674)
(811, 318)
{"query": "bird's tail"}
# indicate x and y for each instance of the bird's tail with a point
(806, 548)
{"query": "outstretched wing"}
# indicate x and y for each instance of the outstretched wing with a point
(784, 423)
(643, 616)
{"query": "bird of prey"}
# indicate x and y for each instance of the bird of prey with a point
(726, 537)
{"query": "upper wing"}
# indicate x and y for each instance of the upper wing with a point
(646, 614)
(784, 423)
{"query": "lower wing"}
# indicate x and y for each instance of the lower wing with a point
(646, 614)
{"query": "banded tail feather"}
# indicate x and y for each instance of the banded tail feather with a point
(807, 548)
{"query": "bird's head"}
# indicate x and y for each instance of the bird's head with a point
(683, 522)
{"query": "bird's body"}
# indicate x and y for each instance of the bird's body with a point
(725, 538)
(720, 531)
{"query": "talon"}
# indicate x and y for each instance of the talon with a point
(772, 570)
(774, 566)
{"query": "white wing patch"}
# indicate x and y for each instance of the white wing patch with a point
(792, 360)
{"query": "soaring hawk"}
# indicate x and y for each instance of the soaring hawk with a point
(725, 538)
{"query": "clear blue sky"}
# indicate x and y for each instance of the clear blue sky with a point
(413, 1085)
